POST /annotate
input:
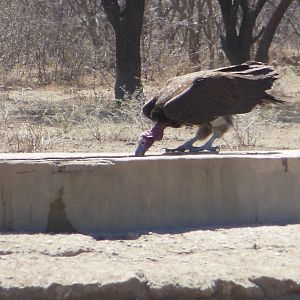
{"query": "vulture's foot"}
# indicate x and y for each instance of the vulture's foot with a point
(205, 149)
(179, 149)
(193, 149)
(188, 146)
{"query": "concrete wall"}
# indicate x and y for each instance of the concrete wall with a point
(105, 194)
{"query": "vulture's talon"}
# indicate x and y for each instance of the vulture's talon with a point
(209, 150)
(217, 149)
(205, 149)
(213, 149)
(193, 149)
(174, 150)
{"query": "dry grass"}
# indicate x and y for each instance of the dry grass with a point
(56, 118)
(66, 120)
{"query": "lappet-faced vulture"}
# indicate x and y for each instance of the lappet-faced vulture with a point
(207, 99)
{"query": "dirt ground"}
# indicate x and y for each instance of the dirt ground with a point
(85, 119)
(258, 262)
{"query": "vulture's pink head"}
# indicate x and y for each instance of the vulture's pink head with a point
(148, 137)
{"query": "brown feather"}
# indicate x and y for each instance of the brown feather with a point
(200, 97)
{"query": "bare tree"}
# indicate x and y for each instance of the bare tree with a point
(239, 18)
(127, 22)
(269, 32)
(73, 41)
(126, 18)
(42, 41)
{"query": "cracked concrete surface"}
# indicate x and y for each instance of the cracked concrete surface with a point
(57, 218)
(85, 193)
(259, 262)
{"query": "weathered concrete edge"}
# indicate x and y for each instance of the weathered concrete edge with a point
(137, 287)
(150, 156)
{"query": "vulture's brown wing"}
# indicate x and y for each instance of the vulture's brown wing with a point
(217, 94)
(246, 66)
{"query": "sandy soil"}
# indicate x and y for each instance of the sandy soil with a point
(213, 263)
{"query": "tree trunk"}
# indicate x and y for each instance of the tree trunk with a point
(127, 23)
(92, 22)
(232, 40)
(237, 44)
(128, 62)
(209, 34)
(268, 34)
(193, 34)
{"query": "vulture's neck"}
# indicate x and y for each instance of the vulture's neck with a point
(157, 131)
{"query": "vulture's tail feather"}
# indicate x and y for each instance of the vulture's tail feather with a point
(271, 99)
(257, 70)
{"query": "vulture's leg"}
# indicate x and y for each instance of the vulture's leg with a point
(204, 131)
(217, 127)
(208, 146)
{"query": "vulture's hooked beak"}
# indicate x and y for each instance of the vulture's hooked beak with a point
(139, 151)
(145, 143)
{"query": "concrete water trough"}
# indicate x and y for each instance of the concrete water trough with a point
(113, 194)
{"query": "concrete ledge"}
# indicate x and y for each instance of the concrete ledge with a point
(103, 193)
